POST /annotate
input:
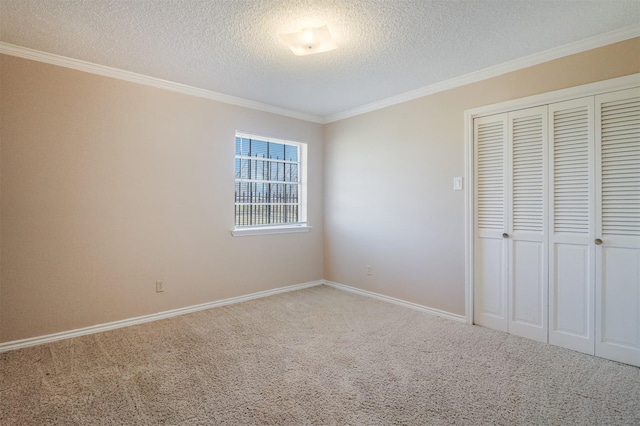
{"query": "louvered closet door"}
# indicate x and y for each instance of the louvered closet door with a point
(571, 261)
(618, 226)
(526, 230)
(490, 248)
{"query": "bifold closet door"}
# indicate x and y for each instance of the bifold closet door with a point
(526, 227)
(571, 239)
(617, 240)
(490, 248)
(510, 248)
(557, 224)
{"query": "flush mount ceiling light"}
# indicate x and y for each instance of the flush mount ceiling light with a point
(310, 41)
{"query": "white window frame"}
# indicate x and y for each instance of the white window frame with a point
(291, 227)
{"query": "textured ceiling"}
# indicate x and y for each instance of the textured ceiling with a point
(386, 47)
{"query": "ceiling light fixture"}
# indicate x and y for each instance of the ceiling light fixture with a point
(310, 41)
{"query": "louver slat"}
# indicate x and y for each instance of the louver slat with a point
(490, 168)
(527, 142)
(621, 167)
(571, 170)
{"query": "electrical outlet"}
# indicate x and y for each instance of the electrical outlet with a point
(159, 286)
(369, 272)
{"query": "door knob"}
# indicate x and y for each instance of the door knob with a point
(505, 235)
(598, 241)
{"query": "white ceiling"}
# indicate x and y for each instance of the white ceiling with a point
(386, 47)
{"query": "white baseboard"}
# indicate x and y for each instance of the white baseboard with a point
(34, 341)
(411, 305)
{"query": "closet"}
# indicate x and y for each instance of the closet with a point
(556, 223)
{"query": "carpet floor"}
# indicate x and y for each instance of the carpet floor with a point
(315, 356)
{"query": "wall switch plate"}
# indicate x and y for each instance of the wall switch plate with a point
(457, 183)
(369, 270)
(159, 286)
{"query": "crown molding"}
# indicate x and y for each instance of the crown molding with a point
(473, 77)
(77, 64)
(493, 71)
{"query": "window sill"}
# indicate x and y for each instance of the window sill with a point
(266, 230)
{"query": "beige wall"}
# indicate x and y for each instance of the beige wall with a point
(389, 201)
(107, 186)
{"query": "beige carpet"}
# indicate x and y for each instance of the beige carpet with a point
(315, 356)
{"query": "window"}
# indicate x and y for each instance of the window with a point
(269, 185)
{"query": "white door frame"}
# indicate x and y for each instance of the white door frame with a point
(591, 89)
